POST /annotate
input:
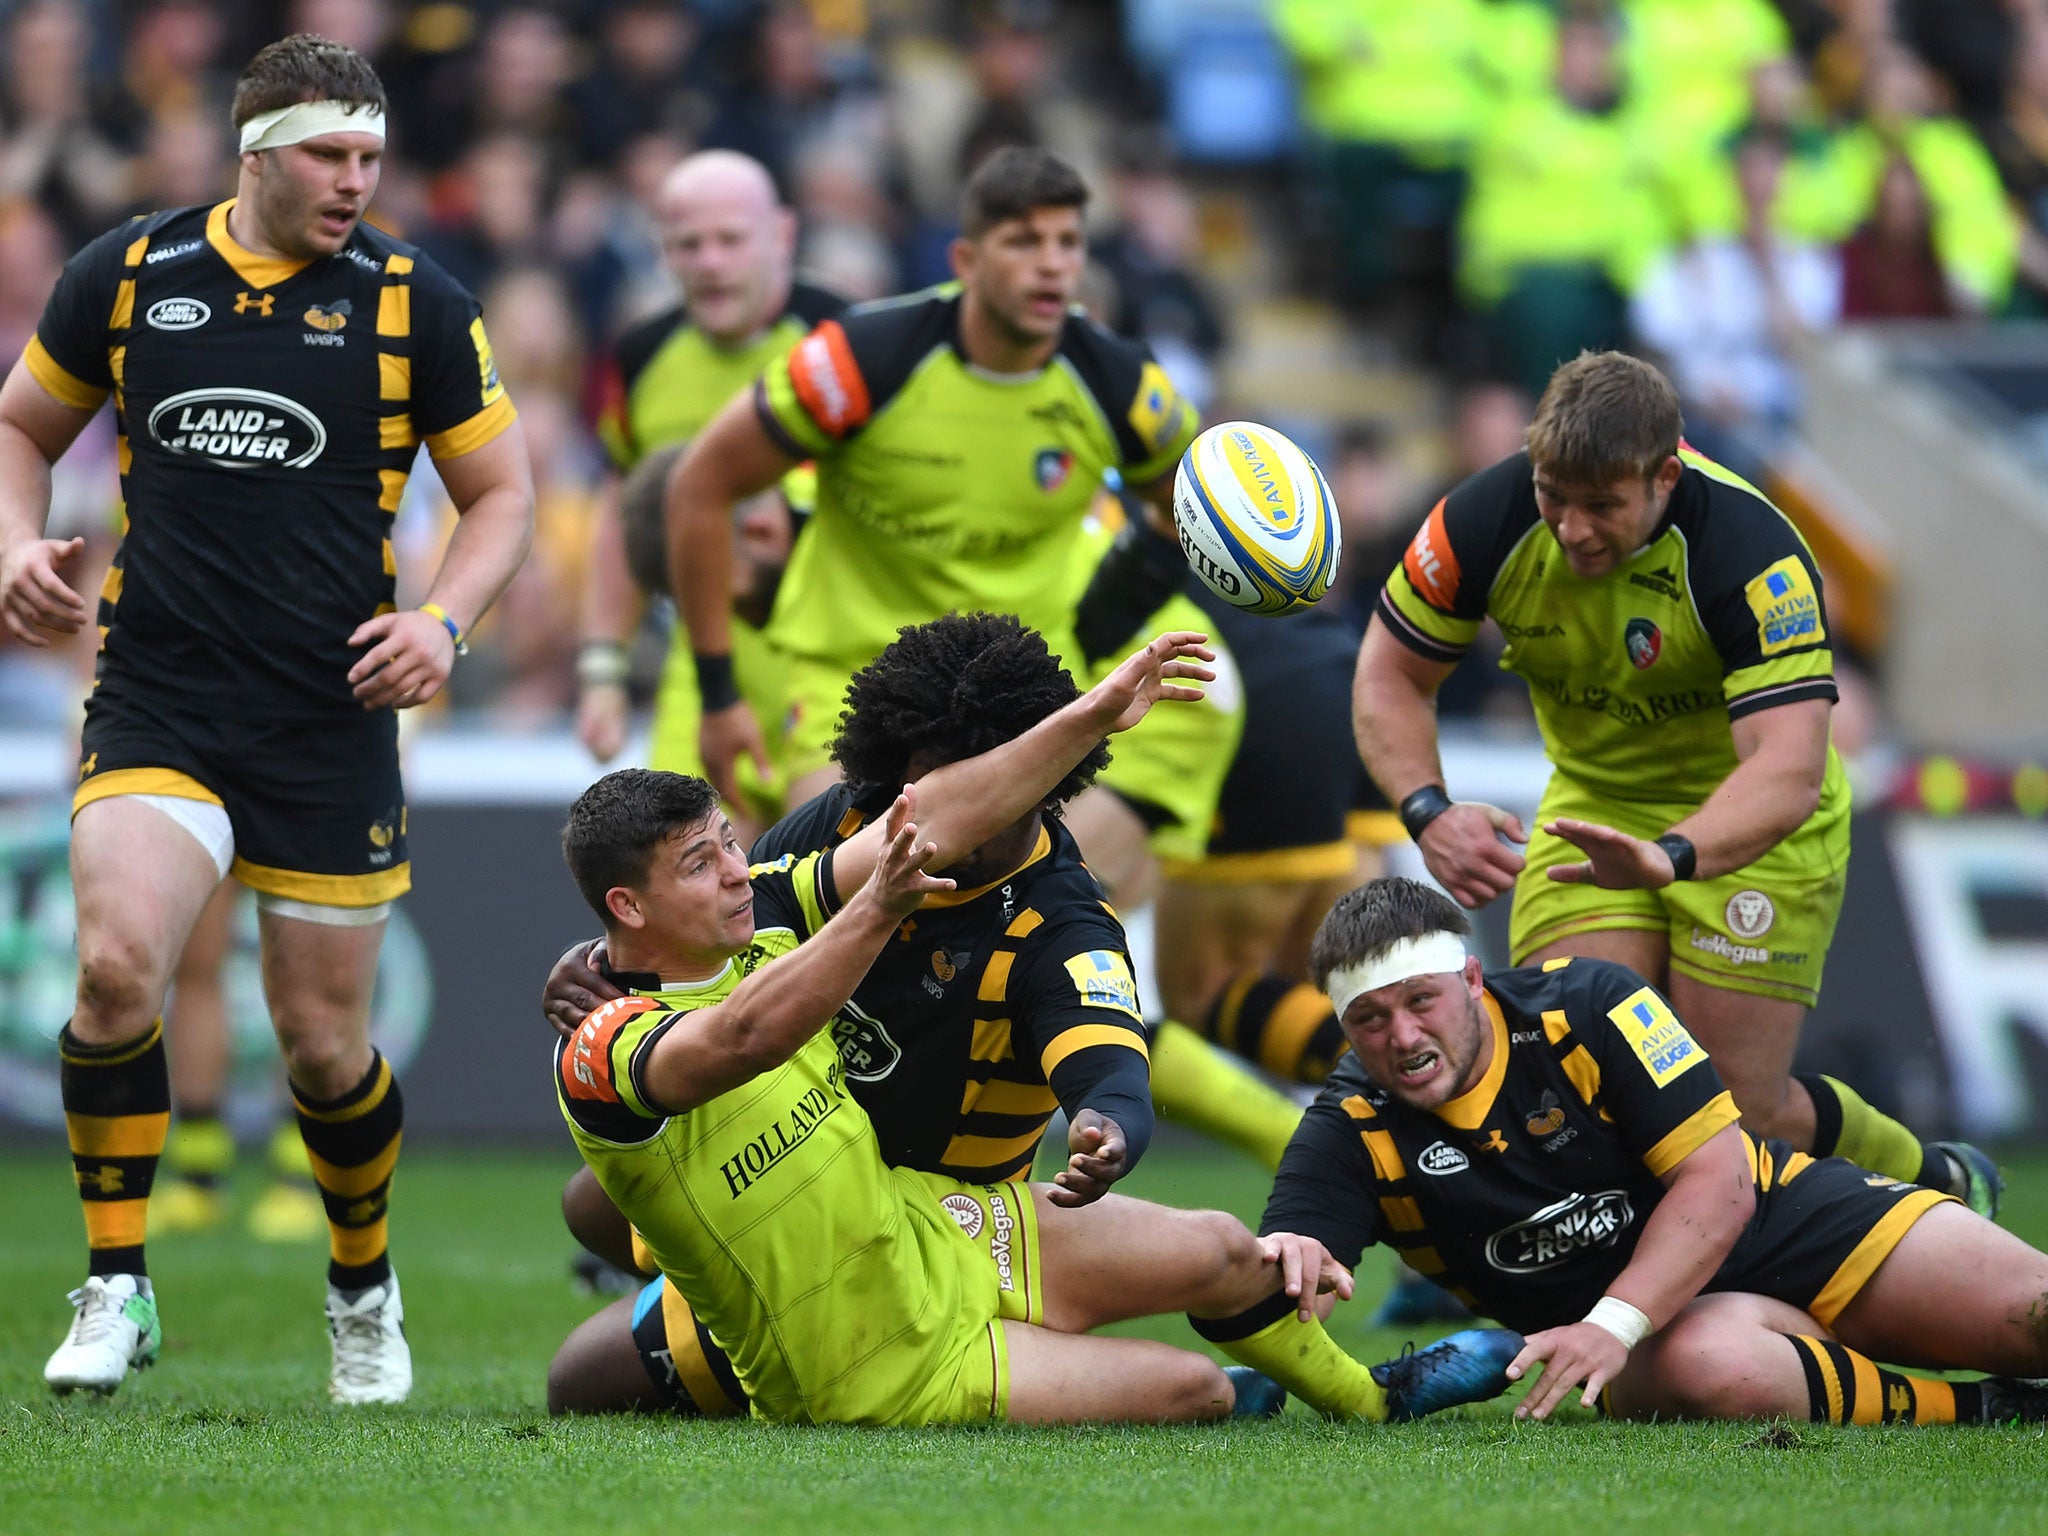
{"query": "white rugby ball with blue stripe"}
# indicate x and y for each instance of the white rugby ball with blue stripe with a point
(1256, 518)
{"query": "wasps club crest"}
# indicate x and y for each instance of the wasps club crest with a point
(1548, 1118)
(1645, 642)
(1051, 468)
(328, 317)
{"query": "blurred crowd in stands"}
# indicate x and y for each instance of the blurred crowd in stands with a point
(1472, 188)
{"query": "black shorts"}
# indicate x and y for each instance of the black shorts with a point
(1285, 805)
(316, 805)
(695, 1380)
(1822, 1226)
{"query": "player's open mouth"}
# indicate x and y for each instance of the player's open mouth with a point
(1418, 1068)
(744, 909)
(337, 221)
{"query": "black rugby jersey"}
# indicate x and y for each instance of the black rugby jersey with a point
(1526, 1195)
(269, 413)
(989, 1009)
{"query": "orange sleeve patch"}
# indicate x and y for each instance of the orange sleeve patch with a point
(587, 1064)
(828, 381)
(1432, 568)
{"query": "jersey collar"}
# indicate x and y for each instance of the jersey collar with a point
(257, 271)
(959, 898)
(1468, 1111)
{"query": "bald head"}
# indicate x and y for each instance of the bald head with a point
(729, 241)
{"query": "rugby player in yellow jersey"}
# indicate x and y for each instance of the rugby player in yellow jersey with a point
(1554, 1144)
(1671, 626)
(730, 244)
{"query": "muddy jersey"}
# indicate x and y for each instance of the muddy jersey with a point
(269, 413)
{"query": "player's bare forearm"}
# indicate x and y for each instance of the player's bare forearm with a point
(731, 459)
(1772, 791)
(1393, 714)
(611, 602)
(1708, 1199)
(35, 429)
(492, 488)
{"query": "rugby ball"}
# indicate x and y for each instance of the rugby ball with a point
(1256, 519)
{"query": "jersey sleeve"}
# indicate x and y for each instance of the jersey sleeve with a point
(1655, 1081)
(1323, 1189)
(1435, 598)
(1759, 594)
(833, 382)
(69, 353)
(789, 892)
(596, 1068)
(1152, 421)
(458, 402)
(1076, 1004)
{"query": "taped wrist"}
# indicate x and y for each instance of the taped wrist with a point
(1141, 570)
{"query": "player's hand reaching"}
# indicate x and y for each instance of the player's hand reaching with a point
(1574, 1355)
(1464, 851)
(1306, 1270)
(1124, 697)
(899, 884)
(723, 736)
(35, 600)
(576, 988)
(409, 659)
(1615, 861)
(1098, 1157)
(601, 712)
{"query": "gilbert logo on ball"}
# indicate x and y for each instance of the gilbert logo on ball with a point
(1256, 518)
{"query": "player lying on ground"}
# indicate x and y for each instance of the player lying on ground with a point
(715, 1114)
(1672, 628)
(1556, 1147)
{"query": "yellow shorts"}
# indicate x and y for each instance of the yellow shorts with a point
(1764, 929)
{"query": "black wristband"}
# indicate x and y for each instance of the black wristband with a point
(1684, 857)
(714, 681)
(1423, 807)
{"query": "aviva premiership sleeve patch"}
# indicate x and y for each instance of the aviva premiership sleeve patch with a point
(1158, 414)
(1103, 979)
(1653, 1032)
(1786, 606)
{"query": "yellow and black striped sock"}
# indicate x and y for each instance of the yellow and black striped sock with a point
(1287, 1027)
(117, 1111)
(1843, 1387)
(1270, 1336)
(352, 1143)
(1844, 1125)
(200, 1150)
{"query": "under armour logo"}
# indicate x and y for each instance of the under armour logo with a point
(106, 1178)
(89, 766)
(261, 303)
(1495, 1142)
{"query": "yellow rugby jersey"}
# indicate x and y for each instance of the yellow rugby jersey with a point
(943, 487)
(1635, 674)
(832, 1282)
(269, 413)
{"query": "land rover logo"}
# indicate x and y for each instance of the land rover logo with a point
(1441, 1158)
(1560, 1232)
(865, 1049)
(179, 314)
(238, 428)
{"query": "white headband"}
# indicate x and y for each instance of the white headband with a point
(1430, 955)
(304, 120)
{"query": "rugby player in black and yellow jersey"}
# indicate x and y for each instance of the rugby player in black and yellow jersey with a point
(730, 244)
(274, 365)
(1671, 626)
(1553, 1143)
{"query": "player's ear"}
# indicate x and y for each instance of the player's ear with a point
(624, 906)
(1475, 977)
(1665, 481)
(961, 253)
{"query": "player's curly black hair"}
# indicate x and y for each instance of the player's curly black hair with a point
(952, 689)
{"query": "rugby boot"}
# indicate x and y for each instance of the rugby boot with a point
(2014, 1399)
(1981, 1182)
(1467, 1367)
(372, 1361)
(1259, 1396)
(113, 1331)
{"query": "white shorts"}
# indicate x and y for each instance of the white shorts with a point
(209, 824)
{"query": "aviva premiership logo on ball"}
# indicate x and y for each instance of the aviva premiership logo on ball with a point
(1256, 518)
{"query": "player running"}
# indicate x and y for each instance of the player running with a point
(275, 364)
(731, 245)
(1554, 1143)
(716, 1114)
(1670, 623)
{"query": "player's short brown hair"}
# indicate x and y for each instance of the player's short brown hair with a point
(1015, 181)
(1375, 917)
(306, 67)
(616, 826)
(1605, 416)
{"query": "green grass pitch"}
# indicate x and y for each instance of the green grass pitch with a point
(232, 1430)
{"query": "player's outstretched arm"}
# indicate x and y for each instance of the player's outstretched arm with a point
(411, 653)
(731, 459)
(35, 429)
(769, 1016)
(1708, 1199)
(968, 802)
(1393, 713)
(610, 611)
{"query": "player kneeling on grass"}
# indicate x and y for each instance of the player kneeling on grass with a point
(715, 1113)
(1554, 1146)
